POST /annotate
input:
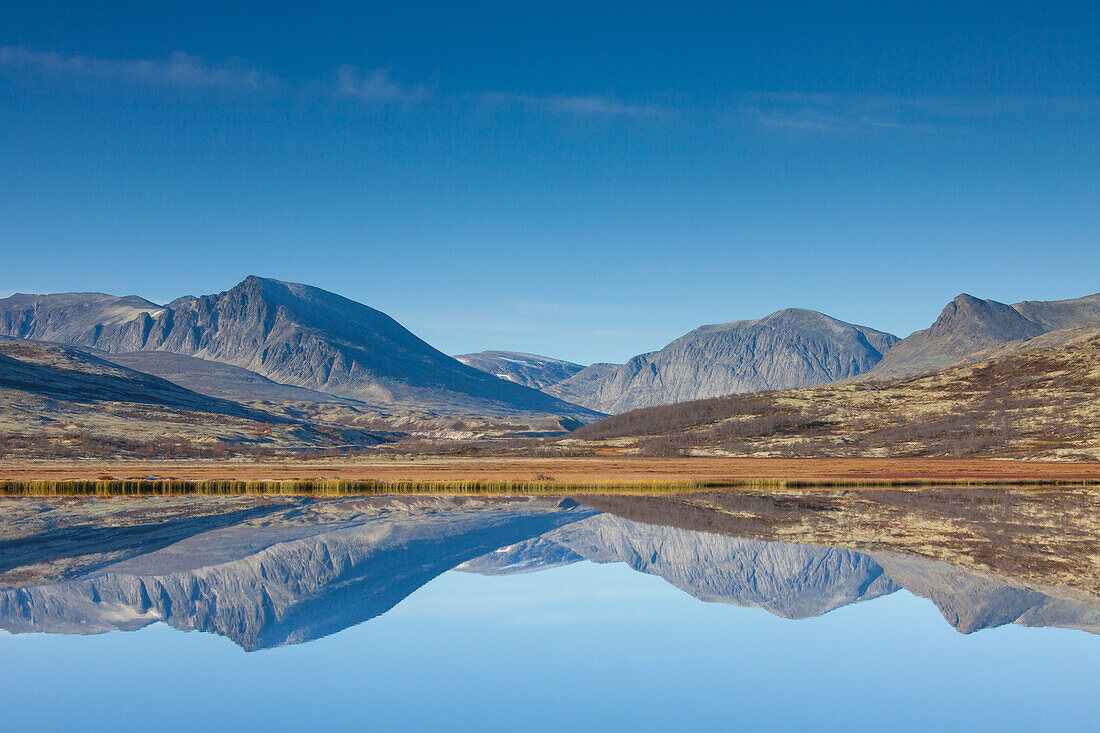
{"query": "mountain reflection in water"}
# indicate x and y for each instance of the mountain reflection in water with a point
(293, 570)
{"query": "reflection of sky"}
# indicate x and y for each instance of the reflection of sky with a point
(579, 647)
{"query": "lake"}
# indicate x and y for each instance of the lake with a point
(448, 613)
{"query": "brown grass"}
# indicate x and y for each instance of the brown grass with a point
(602, 471)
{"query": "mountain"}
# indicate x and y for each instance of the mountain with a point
(1058, 314)
(985, 557)
(530, 370)
(1033, 398)
(789, 348)
(288, 332)
(968, 324)
(791, 580)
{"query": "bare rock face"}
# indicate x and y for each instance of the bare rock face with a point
(582, 385)
(80, 319)
(790, 580)
(530, 370)
(290, 333)
(787, 349)
(540, 553)
(968, 325)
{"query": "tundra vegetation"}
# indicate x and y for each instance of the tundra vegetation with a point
(1041, 403)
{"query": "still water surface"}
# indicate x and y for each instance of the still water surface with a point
(537, 617)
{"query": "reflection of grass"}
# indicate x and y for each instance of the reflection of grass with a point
(1040, 536)
(336, 487)
(166, 487)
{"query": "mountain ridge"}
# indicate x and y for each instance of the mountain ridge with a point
(793, 347)
(530, 370)
(291, 333)
(968, 325)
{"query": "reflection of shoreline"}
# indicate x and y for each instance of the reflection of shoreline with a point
(599, 469)
(298, 570)
(1044, 538)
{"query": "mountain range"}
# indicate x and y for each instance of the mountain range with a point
(292, 334)
(1033, 398)
(291, 351)
(797, 348)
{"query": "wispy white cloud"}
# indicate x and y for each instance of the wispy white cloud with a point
(178, 70)
(837, 113)
(590, 105)
(378, 86)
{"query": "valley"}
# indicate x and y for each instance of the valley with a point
(291, 374)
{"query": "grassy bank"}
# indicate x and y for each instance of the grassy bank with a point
(343, 487)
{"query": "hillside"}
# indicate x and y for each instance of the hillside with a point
(968, 325)
(530, 370)
(1036, 398)
(59, 402)
(290, 333)
(57, 372)
(789, 348)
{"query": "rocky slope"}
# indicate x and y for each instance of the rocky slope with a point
(291, 333)
(584, 384)
(971, 602)
(967, 325)
(790, 580)
(530, 370)
(789, 348)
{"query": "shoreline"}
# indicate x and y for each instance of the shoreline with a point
(526, 475)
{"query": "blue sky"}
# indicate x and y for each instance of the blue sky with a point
(585, 180)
